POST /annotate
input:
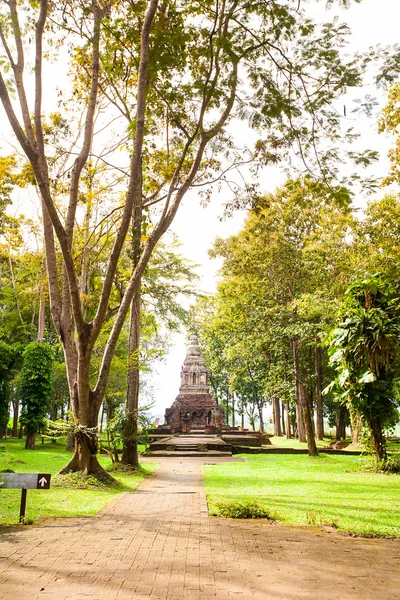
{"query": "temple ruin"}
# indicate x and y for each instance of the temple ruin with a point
(194, 409)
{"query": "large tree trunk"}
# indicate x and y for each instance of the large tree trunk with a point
(308, 422)
(86, 439)
(356, 428)
(341, 422)
(130, 451)
(301, 432)
(288, 424)
(277, 416)
(318, 393)
(30, 443)
(377, 439)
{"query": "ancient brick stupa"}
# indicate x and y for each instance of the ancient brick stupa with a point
(194, 408)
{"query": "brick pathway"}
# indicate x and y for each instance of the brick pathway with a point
(159, 543)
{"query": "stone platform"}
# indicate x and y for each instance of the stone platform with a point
(191, 445)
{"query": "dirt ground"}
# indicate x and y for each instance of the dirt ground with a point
(159, 543)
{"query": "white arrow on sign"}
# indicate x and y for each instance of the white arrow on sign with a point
(43, 481)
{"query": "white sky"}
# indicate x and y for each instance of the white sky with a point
(372, 22)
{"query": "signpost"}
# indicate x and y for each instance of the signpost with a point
(24, 481)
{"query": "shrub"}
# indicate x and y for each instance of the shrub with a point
(249, 509)
(36, 389)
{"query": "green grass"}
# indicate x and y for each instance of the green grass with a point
(58, 501)
(298, 490)
(282, 442)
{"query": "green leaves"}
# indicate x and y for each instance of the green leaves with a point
(365, 352)
(36, 385)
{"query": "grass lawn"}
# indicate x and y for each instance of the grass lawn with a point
(282, 442)
(58, 501)
(296, 489)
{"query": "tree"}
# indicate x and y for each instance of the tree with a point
(281, 280)
(176, 72)
(365, 351)
(36, 389)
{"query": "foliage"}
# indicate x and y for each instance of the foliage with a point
(281, 280)
(249, 509)
(36, 385)
(364, 349)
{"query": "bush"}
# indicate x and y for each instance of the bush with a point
(243, 510)
(36, 389)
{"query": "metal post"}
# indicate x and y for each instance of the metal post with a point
(22, 507)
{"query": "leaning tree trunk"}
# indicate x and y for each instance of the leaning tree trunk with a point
(308, 422)
(318, 393)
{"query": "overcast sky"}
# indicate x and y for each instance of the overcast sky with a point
(372, 22)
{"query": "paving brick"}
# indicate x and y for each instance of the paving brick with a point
(159, 543)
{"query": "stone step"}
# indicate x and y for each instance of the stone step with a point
(180, 454)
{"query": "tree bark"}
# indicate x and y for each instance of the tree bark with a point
(15, 406)
(277, 416)
(103, 410)
(42, 304)
(377, 439)
(318, 393)
(288, 424)
(356, 428)
(341, 422)
(130, 451)
(301, 433)
(260, 414)
(283, 418)
(30, 443)
(308, 422)
(233, 409)
(86, 438)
